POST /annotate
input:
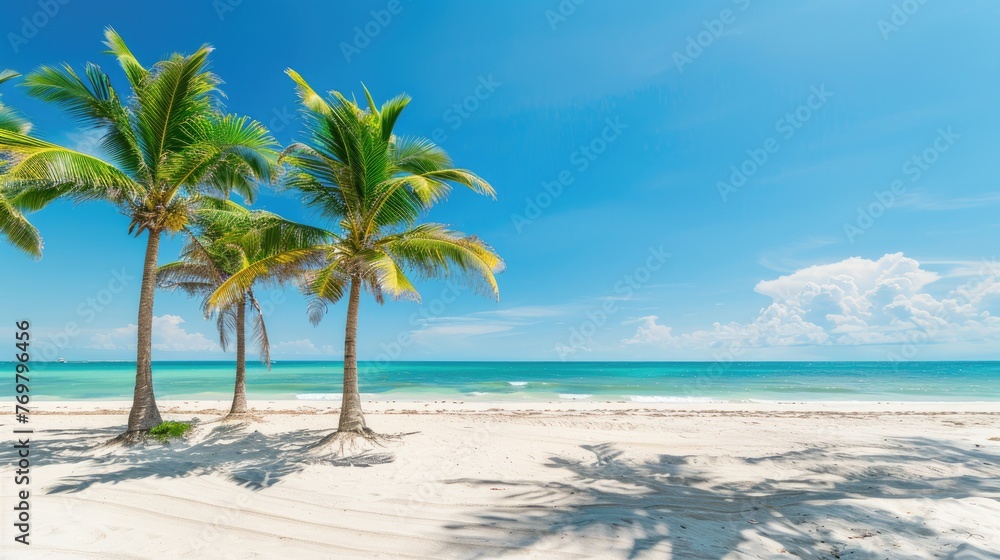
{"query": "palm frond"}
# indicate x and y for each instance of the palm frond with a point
(177, 94)
(230, 153)
(12, 121)
(418, 155)
(316, 309)
(136, 73)
(437, 252)
(236, 285)
(97, 105)
(389, 113)
(39, 165)
(329, 283)
(192, 278)
(18, 231)
(309, 98)
(225, 325)
(260, 339)
(7, 74)
(385, 276)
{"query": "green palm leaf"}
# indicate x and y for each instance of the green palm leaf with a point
(52, 170)
(13, 225)
(434, 251)
(177, 94)
(136, 73)
(18, 231)
(97, 105)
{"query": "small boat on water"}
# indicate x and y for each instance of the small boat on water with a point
(62, 360)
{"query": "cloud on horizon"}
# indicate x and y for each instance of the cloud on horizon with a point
(168, 335)
(852, 302)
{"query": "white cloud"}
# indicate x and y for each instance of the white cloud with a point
(650, 331)
(854, 301)
(116, 339)
(168, 335)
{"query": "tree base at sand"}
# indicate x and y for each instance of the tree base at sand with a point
(247, 417)
(130, 438)
(348, 443)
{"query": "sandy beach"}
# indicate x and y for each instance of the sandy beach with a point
(510, 280)
(538, 480)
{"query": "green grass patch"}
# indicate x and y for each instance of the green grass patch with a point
(170, 430)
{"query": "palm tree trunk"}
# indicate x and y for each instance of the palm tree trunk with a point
(144, 414)
(351, 417)
(240, 392)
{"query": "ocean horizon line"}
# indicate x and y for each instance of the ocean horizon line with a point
(362, 361)
(537, 380)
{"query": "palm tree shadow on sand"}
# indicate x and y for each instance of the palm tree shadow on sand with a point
(243, 455)
(669, 507)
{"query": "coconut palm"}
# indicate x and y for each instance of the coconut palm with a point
(167, 144)
(13, 225)
(372, 187)
(222, 239)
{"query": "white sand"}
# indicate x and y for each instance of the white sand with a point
(579, 480)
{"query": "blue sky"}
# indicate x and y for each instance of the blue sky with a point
(718, 180)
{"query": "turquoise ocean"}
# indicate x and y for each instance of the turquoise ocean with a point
(643, 382)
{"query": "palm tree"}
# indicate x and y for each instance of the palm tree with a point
(222, 239)
(13, 225)
(168, 144)
(372, 187)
